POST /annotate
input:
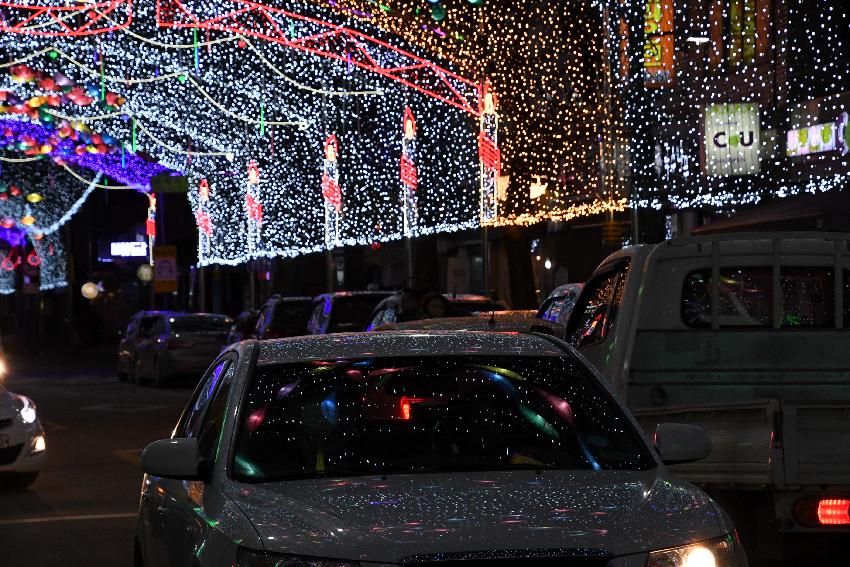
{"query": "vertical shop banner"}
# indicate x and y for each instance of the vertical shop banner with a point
(165, 269)
(732, 139)
(742, 32)
(659, 45)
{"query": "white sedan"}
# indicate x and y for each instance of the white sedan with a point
(438, 448)
(23, 448)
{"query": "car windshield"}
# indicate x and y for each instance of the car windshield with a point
(430, 414)
(200, 324)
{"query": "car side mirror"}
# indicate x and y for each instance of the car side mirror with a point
(172, 458)
(681, 443)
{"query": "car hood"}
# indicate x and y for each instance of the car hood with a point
(385, 519)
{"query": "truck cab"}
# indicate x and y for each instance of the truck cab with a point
(747, 336)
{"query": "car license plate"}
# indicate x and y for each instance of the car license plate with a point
(4, 441)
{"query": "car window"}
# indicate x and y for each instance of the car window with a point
(200, 324)
(807, 297)
(262, 321)
(209, 438)
(351, 313)
(147, 323)
(158, 327)
(430, 414)
(289, 319)
(131, 327)
(589, 321)
(190, 422)
(318, 323)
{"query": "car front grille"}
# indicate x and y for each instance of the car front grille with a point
(9, 454)
(537, 557)
(4, 423)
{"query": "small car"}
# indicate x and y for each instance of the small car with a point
(23, 445)
(138, 326)
(560, 303)
(242, 326)
(431, 448)
(343, 311)
(283, 316)
(177, 343)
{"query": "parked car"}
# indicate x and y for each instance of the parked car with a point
(559, 304)
(138, 327)
(343, 311)
(420, 448)
(406, 306)
(499, 321)
(23, 445)
(746, 336)
(283, 316)
(177, 344)
(242, 326)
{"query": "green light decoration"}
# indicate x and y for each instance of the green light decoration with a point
(537, 421)
(438, 12)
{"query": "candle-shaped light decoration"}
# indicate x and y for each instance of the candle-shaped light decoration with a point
(203, 219)
(331, 192)
(489, 154)
(253, 207)
(409, 177)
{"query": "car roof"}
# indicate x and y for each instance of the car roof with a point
(406, 343)
(356, 293)
(517, 321)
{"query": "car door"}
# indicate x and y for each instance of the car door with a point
(124, 346)
(155, 495)
(187, 521)
(147, 345)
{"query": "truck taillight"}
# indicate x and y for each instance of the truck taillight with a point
(816, 512)
(834, 512)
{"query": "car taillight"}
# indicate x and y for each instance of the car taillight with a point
(405, 405)
(816, 512)
(834, 512)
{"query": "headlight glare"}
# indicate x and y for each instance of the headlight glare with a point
(27, 410)
(250, 558)
(721, 552)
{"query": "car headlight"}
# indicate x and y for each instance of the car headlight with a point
(26, 409)
(250, 558)
(721, 552)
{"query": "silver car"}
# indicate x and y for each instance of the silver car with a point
(436, 448)
(23, 445)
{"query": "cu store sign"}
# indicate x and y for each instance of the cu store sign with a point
(732, 139)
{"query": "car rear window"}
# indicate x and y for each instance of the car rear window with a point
(200, 324)
(352, 312)
(807, 297)
(290, 318)
(430, 414)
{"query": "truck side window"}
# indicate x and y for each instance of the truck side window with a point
(807, 298)
(590, 316)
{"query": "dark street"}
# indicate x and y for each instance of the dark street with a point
(82, 509)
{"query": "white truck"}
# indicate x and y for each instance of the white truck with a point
(748, 336)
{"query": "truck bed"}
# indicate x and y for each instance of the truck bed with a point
(782, 444)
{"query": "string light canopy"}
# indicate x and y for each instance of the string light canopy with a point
(210, 87)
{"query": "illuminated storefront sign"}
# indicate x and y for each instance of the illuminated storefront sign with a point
(819, 138)
(658, 47)
(128, 249)
(732, 139)
(742, 32)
